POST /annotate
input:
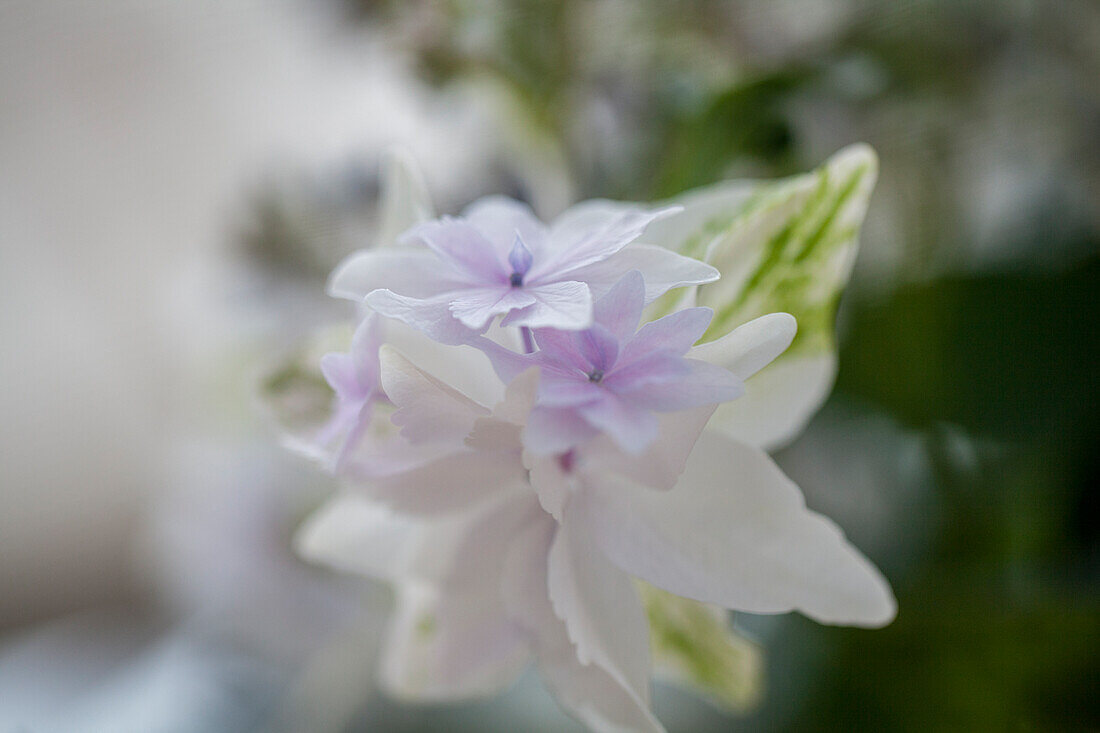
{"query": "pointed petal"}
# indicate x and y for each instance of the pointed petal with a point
(475, 308)
(466, 549)
(339, 371)
(598, 346)
(427, 409)
(662, 269)
(736, 532)
(499, 218)
(566, 305)
(575, 246)
(411, 271)
(661, 465)
(587, 691)
(751, 346)
(462, 246)
(620, 308)
(405, 200)
(633, 429)
(599, 606)
(451, 483)
(447, 645)
(779, 401)
(704, 384)
(354, 534)
(552, 430)
(432, 316)
(674, 333)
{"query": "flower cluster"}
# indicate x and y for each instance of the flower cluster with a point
(526, 427)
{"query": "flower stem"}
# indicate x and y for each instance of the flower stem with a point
(528, 340)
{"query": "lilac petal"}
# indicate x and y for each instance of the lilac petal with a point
(411, 271)
(642, 374)
(359, 426)
(499, 218)
(599, 347)
(364, 349)
(620, 309)
(475, 308)
(705, 384)
(429, 315)
(506, 363)
(464, 247)
(568, 392)
(566, 305)
(675, 333)
(519, 258)
(633, 429)
(550, 430)
(339, 371)
(661, 268)
(559, 348)
(428, 410)
(587, 246)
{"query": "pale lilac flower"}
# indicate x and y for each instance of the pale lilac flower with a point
(354, 380)
(612, 377)
(502, 557)
(453, 276)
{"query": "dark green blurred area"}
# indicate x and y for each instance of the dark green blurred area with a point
(971, 321)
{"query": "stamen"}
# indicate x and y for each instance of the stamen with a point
(516, 280)
(595, 375)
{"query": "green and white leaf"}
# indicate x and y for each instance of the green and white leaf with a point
(694, 646)
(783, 246)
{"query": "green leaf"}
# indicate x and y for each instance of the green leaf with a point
(694, 646)
(785, 246)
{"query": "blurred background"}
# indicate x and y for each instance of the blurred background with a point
(176, 180)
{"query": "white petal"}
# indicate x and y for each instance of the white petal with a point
(354, 534)
(662, 269)
(565, 305)
(468, 548)
(464, 368)
(432, 316)
(751, 346)
(405, 200)
(448, 484)
(661, 465)
(779, 401)
(736, 532)
(427, 409)
(587, 691)
(445, 645)
(408, 270)
(599, 605)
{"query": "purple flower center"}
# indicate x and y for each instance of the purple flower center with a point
(520, 259)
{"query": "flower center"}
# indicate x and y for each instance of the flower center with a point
(516, 279)
(595, 376)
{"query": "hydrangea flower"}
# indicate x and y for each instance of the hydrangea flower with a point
(453, 276)
(513, 534)
(611, 378)
(536, 564)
